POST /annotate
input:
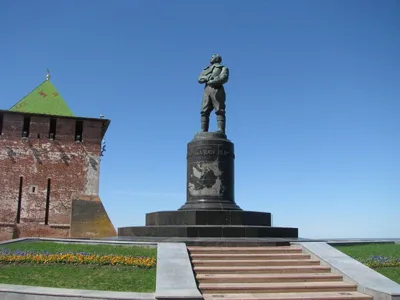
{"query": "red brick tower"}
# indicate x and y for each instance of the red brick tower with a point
(49, 169)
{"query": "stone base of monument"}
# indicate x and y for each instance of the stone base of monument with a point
(210, 210)
(208, 223)
(208, 217)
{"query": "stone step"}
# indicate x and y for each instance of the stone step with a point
(291, 296)
(276, 287)
(261, 270)
(248, 256)
(279, 262)
(264, 250)
(259, 278)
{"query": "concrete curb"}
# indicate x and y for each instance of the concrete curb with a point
(175, 278)
(12, 241)
(22, 292)
(81, 241)
(355, 243)
(368, 281)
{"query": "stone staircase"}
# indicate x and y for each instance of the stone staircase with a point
(273, 273)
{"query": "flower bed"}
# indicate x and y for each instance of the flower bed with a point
(380, 261)
(43, 257)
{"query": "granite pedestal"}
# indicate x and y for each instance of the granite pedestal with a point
(210, 209)
(210, 173)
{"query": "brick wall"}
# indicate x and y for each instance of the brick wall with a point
(68, 167)
(7, 231)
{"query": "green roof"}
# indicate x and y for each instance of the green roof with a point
(44, 99)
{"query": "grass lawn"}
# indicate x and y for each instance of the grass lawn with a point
(94, 277)
(361, 252)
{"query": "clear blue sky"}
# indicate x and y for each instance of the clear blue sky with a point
(312, 103)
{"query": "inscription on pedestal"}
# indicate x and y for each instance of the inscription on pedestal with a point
(210, 151)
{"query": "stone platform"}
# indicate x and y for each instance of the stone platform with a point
(208, 223)
(208, 217)
(208, 231)
(199, 241)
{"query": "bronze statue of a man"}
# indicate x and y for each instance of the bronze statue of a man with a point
(214, 76)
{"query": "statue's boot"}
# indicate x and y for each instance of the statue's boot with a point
(205, 121)
(221, 121)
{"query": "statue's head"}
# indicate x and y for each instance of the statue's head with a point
(216, 59)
